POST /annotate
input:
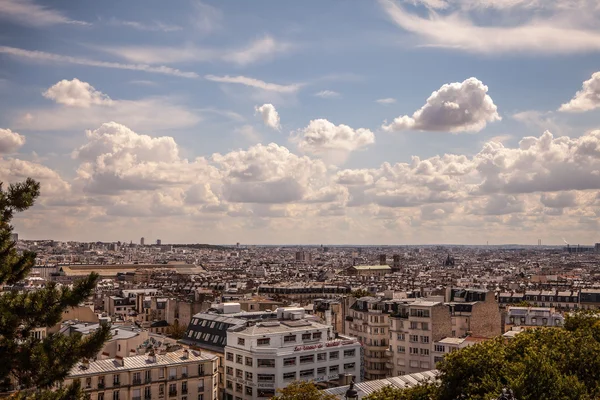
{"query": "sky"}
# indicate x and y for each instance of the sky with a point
(310, 122)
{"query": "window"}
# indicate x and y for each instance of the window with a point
(401, 337)
(401, 349)
(414, 350)
(241, 341)
(137, 378)
(307, 359)
(263, 342)
(334, 369)
(289, 361)
(349, 353)
(306, 373)
(306, 336)
(321, 356)
(419, 313)
(184, 388)
(321, 370)
(147, 392)
(265, 363)
(424, 339)
(289, 339)
(116, 380)
(184, 373)
(239, 387)
(425, 326)
(200, 369)
(201, 397)
(249, 391)
(414, 325)
(348, 366)
(317, 335)
(148, 376)
(249, 376)
(229, 370)
(229, 385)
(201, 385)
(116, 395)
(239, 359)
(161, 390)
(172, 389)
(424, 352)
(266, 378)
(249, 361)
(334, 355)
(229, 356)
(289, 376)
(439, 348)
(414, 338)
(100, 396)
(239, 373)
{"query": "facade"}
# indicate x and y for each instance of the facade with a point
(533, 316)
(367, 271)
(268, 355)
(414, 328)
(306, 292)
(331, 312)
(181, 375)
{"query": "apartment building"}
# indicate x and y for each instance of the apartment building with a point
(304, 292)
(331, 312)
(368, 320)
(560, 299)
(533, 316)
(474, 312)
(415, 325)
(265, 356)
(177, 375)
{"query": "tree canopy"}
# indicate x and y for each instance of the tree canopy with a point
(302, 390)
(539, 363)
(30, 366)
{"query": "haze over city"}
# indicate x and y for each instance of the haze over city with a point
(308, 122)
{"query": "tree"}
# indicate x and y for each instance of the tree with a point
(29, 365)
(176, 330)
(424, 391)
(358, 293)
(302, 390)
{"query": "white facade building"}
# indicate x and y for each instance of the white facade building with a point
(266, 356)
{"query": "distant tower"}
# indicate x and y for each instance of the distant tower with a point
(396, 263)
(382, 259)
(158, 242)
(142, 241)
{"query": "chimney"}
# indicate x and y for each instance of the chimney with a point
(116, 332)
(186, 354)
(119, 360)
(152, 356)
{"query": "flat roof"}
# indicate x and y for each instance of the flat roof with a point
(370, 267)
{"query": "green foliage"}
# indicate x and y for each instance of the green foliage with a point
(358, 293)
(302, 390)
(28, 364)
(542, 363)
(176, 330)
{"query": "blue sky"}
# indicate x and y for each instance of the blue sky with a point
(196, 92)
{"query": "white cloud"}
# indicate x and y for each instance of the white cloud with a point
(322, 136)
(551, 35)
(255, 83)
(256, 51)
(327, 94)
(205, 17)
(76, 93)
(44, 57)
(588, 98)
(28, 13)
(387, 100)
(455, 107)
(269, 115)
(81, 106)
(10, 141)
(153, 26)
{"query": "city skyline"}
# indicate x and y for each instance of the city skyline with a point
(384, 122)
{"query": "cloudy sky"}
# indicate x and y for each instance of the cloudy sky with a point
(339, 122)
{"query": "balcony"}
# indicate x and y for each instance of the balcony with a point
(389, 365)
(148, 380)
(136, 381)
(184, 391)
(116, 384)
(172, 393)
(136, 398)
(101, 385)
(184, 375)
(172, 377)
(148, 396)
(389, 353)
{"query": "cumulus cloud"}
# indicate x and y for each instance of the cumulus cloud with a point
(588, 98)
(269, 115)
(81, 106)
(76, 93)
(559, 200)
(321, 136)
(10, 141)
(455, 107)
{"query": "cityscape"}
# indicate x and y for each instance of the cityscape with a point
(300, 200)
